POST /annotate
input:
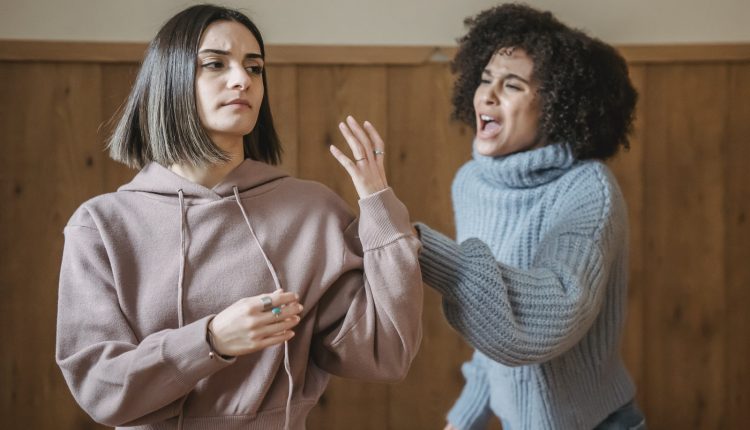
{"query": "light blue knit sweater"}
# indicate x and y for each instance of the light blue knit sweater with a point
(537, 283)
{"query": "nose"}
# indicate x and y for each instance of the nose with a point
(487, 94)
(239, 79)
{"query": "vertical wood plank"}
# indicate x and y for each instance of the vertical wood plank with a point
(684, 144)
(425, 149)
(117, 81)
(737, 186)
(326, 95)
(282, 92)
(628, 168)
(50, 114)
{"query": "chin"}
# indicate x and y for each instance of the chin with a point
(488, 149)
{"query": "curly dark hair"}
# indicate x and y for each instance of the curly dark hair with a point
(587, 100)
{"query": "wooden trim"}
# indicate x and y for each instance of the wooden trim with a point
(93, 52)
(132, 52)
(685, 53)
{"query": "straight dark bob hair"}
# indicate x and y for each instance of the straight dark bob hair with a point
(159, 122)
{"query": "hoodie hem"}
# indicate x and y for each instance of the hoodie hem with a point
(264, 420)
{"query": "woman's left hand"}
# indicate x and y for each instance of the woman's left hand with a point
(366, 170)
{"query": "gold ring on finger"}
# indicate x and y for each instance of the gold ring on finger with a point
(360, 159)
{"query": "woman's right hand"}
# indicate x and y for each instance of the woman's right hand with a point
(244, 327)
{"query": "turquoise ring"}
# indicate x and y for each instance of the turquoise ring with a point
(276, 311)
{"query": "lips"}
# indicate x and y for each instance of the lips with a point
(488, 126)
(238, 102)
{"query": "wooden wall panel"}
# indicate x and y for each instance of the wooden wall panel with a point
(326, 96)
(423, 146)
(49, 165)
(736, 320)
(628, 168)
(117, 80)
(282, 92)
(684, 179)
(685, 110)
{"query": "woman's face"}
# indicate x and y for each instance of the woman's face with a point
(507, 105)
(228, 82)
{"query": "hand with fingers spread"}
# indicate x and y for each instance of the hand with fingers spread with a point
(255, 323)
(366, 169)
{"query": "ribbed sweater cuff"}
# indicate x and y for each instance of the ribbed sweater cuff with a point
(187, 350)
(383, 219)
(471, 412)
(439, 259)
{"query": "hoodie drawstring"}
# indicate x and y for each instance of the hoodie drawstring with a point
(276, 282)
(180, 316)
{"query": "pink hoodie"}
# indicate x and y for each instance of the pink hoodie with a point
(144, 270)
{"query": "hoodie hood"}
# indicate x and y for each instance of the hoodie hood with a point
(157, 179)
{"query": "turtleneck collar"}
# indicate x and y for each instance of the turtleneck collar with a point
(526, 169)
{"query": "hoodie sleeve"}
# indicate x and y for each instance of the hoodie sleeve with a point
(370, 325)
(115, 377)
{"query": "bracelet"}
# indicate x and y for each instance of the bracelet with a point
(210, 341)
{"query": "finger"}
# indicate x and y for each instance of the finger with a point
(274, 340)
(281, 298)
(354, 144)
(278, 298)
(343, 160)
(287, 311)
(378, 147)
(361, 136)
(276, 327)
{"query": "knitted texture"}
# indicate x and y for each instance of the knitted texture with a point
(537, 283)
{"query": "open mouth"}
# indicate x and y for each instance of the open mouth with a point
(488, 126)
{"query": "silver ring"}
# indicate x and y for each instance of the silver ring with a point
(267, 303)
(379, 152)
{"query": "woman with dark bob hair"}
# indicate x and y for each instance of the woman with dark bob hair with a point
(214, 291)
(536, 281)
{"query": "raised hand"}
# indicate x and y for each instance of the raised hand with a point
(249, 324)
(366, 169)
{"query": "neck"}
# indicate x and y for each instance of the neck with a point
(210, 175)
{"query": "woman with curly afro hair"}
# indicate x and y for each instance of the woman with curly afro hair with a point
(537, 279)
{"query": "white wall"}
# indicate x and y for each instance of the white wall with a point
(379, 22)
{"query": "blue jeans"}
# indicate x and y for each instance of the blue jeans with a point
(628, 417)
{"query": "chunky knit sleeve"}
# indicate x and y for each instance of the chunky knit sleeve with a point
(516, 316)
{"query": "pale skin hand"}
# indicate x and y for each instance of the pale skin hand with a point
(244, 328)
(450, 426)
(366, 168)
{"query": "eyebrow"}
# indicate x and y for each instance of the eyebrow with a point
(506, 76)
(220, 52)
